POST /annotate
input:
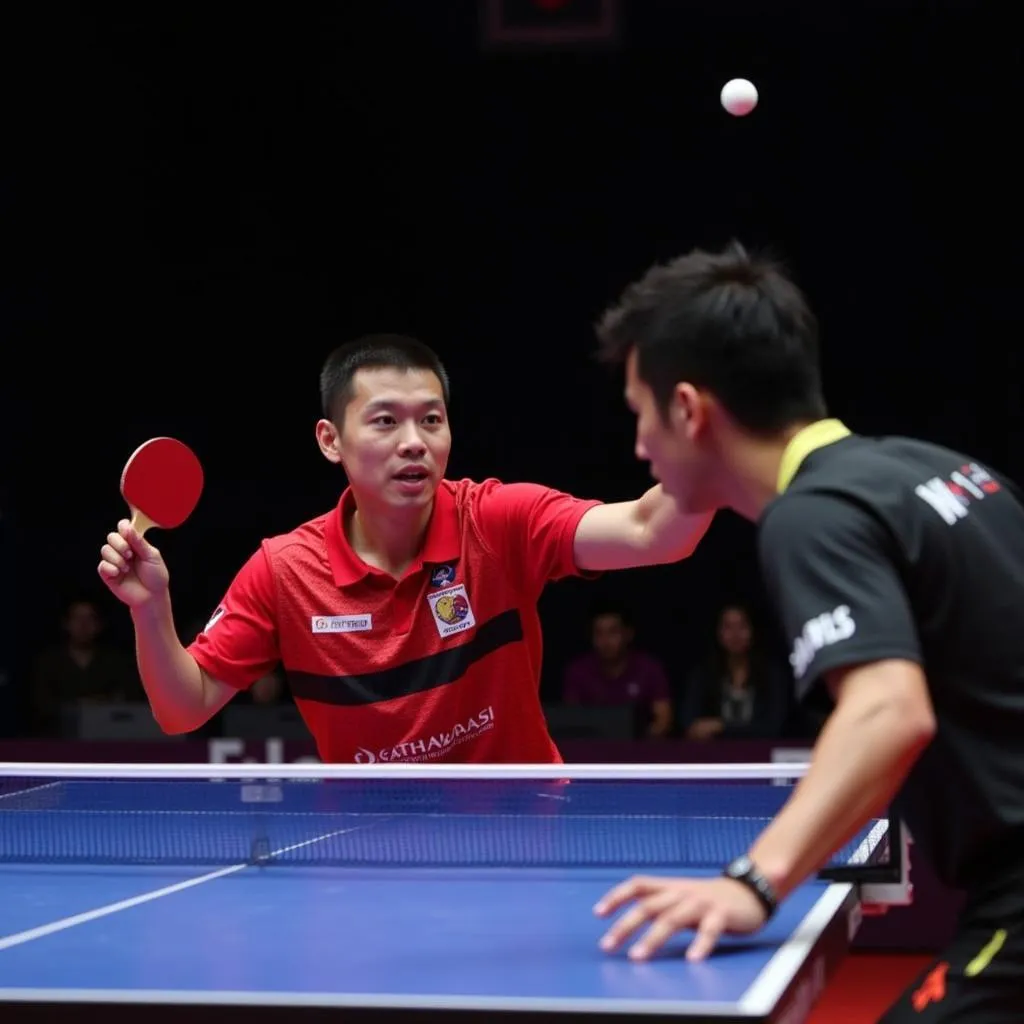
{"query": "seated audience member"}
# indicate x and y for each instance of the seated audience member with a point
(613, 674)
(81, 668)
(738, 692)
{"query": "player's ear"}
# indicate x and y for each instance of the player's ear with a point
(329, 440)
(687, 412)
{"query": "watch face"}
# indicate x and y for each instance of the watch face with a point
(740, 866)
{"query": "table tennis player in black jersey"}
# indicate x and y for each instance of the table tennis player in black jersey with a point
(896, 569)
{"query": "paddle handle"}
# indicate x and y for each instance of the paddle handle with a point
(141, 522)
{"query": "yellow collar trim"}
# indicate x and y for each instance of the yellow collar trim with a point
(801, 444)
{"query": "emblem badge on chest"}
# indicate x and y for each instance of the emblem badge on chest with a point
(452, 610)
(442, 576)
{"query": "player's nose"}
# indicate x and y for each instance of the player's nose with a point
(411, 444)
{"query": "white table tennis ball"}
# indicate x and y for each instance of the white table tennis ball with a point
(739, 97)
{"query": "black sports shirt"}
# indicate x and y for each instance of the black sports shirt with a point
(889, 547)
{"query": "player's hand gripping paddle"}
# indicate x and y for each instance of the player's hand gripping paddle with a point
(161, 482)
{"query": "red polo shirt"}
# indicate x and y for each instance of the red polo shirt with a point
(442, 664)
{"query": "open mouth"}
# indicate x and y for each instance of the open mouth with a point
(413, 475)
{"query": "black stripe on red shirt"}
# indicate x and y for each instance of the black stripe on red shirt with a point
(429, 673)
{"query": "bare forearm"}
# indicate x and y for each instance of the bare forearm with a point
(170, 676)
(627, 534)
(670, 535)
(859, 762)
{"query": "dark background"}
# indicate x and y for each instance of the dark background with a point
(200, 201)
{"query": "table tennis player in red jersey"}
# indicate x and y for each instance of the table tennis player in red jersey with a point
(405, 617)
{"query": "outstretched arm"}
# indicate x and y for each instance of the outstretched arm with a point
(628, 534)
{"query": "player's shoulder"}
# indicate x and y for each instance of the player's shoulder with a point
(800, 514)
(872, 463)
(482, 510)
(465, 490)
(465, 497)
(825, 502)
(875, 473)
(859, 483)
(492, 497)
(306, 538)
(497, 515)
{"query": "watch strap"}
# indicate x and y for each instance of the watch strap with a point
(743, 870)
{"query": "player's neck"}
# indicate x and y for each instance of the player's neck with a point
(754, 472)
(388, 539)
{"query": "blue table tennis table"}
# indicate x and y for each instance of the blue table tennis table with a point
(389, 898)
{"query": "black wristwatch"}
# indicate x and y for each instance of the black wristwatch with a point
(742, 870)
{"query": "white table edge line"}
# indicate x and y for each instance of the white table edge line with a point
(244, 997)
(767, 988)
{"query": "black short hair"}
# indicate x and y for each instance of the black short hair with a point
(728, 322)
(74, 598)
(603, 607)
(373, 351)
(735, 606)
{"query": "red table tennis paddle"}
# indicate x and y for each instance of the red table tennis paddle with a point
(161, 482)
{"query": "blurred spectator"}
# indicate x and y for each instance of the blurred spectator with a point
(81, 668)
(612, 673)
(738, 692)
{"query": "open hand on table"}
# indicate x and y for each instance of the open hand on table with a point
(710, 906)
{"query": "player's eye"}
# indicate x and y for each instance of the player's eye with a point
(433, 419)
(384, 420)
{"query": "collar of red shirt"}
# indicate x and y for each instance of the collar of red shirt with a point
(442, 543)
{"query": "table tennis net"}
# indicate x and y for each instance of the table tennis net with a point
(382, 822)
